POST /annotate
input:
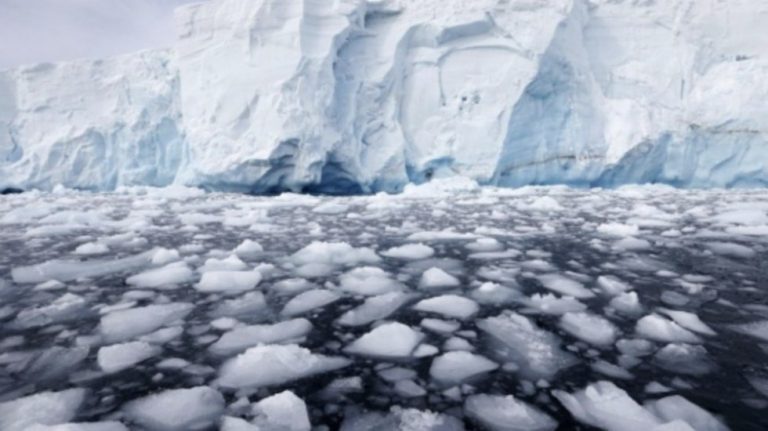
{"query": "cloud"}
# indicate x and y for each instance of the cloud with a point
(33, 31)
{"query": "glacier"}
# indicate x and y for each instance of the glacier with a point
(359, 96)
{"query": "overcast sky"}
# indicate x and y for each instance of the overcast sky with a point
(33, 31)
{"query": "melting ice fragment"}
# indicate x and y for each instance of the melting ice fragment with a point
(169, 276)
(177, 409)
(589, 327)
(240, 339)
(118, 357)
(410, 252)
(565, 286)
(45, 408)
(67, 270)
(124, 325)
(374, 308)
(517, 339)
(228, 281)
(390, 340)
(506, 413)
(308, 301)
(449, 305)
(284, 411)
(269, 365)
(453, 368)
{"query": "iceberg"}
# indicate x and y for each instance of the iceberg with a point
(357, 96)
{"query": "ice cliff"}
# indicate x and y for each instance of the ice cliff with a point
(347, 96)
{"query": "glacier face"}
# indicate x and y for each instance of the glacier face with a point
(367, 95)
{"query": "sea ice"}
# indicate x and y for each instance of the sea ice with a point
(228, 281)
(657, 328)
(369, 281)
(507, 413)
(118, 357)
(436, 278)
(449, 305)
(240, 339)
(589, 327)
(374, 308)
(166, 277)
(517, 339)
(44, 408)
(456, 367)
(565, 286)
(124, 325)
(389, 340)
(308, 301)
(177, 409)
(284, 411)
(269, 365)
(410, 252)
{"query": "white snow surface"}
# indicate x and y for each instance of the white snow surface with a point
(363, 95)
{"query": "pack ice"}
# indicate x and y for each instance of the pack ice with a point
(363, 95)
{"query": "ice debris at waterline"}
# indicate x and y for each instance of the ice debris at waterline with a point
(172, 309)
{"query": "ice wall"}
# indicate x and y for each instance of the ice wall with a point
(91, 124)
(351, 96)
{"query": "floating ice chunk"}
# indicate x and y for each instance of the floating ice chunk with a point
(240, 339)
(552, 304)
(284, 411)
(230, 263)
(612, 286)
(657, 328)
(409, 389)
(604, 405)
(506, 413)
(168, 277)
(199, 218)
(631, 244)
(163, 256)
(374, 308)
(440, 326)
(228, 281)
(91, 248)
(400, 419)
(494, 294)
(65, 308)
(457, 343)
(544, 204)
(517, 339)
(453, 368)
(53, 363)
(390, 340)
(334, 254)
(443, 235)
(250, 305)
(308, 301)
(611, 370)
(676, 407)
(757, 329)
(410, 252)
(269, 365)
(627, 303)
(485, 245)
(67, 270)
(688, 321)
(44, 408)
(618, 229)
(118, 357)
(730, 249)
(589, 327)
(436, 278)
(684, 359)
(248, 249)
(368, 280)
(124, 325)
(80, 426)
(760, 384)
(565, 286)
(292, 286)
(177, 409)
(449, 305)
(749, 217)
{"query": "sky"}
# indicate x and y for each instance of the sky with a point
(34, 31)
